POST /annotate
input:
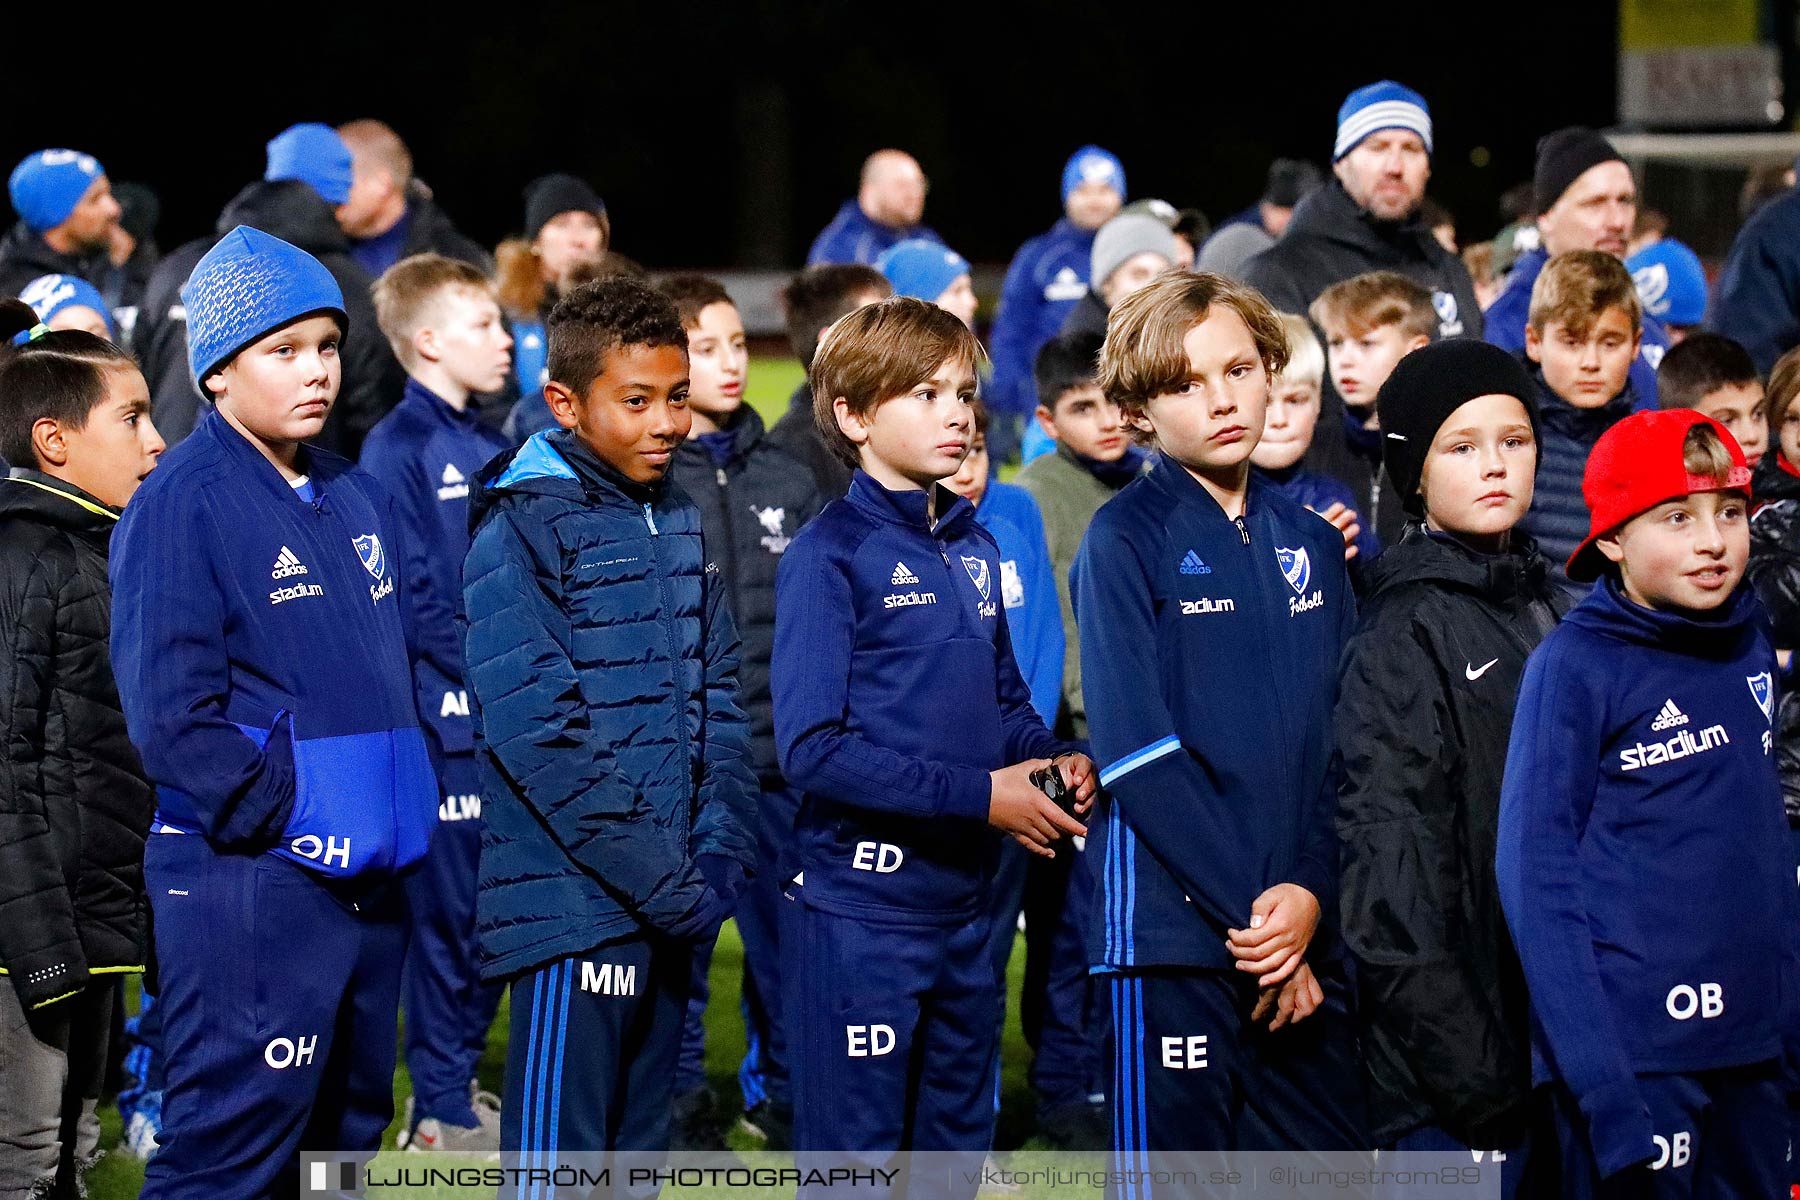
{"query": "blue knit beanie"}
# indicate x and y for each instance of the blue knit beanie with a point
(315, 155)
(921, 268)
(1384, 105)
(50, 294)
(1670, 281)
(249, 285)
(1091, 164)
(47, 186)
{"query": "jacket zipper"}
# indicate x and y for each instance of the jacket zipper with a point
(1268, 642)
(687, 749)
(731, 583)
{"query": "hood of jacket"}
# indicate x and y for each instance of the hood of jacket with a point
(1607, 611)
(289, 210)
(34, 496)
(1422, 556)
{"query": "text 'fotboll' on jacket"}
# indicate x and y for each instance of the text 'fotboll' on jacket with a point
(896, 693)
(261, 646)
(602, 667)
(1643, 861)
(1209, 661)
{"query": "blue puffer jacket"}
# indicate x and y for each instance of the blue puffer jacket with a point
(1559, 516)
(602, 667)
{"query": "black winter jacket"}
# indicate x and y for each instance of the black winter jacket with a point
(1088, 316)
(25, 255)
(292, 211)
(432, 232)
(749, 509)
(1775, 573)
(1423, 718)
(75, 806)
(1566, 435)
(1330, 239)
(798, 434)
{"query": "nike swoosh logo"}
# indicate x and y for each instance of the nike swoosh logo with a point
(1475, 673)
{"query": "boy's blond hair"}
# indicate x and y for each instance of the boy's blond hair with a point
(1306, 358)
(878, 352)
(1574, 289)
(1364, 303)
(407, 291)
(1144, 356)
(1784, 386)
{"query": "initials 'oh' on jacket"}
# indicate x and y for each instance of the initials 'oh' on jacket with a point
(896, 693)
(602, 667)
(1643, 860)
(261, 643)
(751, 505)
(1209, 660)
(1423, 717)
(74, 804)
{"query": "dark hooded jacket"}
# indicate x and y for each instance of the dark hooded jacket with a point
(1775, 573)
(1330, 239)
(1424, 713)
(292, 211)
(751, 505)
(75, 806)
(25, 255)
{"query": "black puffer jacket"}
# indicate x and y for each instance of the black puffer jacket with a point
(74, 804)
(1566, 436)
(749, 509)
(1775, 573)
(1423, 718)
(293, 212)
(432, 232)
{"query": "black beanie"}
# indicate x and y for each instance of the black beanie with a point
(1290, 181)
(549, 196)
(1563, 157)
(1426, 387)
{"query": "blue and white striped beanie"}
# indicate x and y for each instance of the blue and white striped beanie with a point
(249, 285)
(1384, 105)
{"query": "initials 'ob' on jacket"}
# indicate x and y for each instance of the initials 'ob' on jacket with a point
(602, 670)
(261, 647)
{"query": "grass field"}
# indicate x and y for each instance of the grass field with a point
(118, 1176)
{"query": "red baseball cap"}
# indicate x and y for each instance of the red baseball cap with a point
(1635, 466)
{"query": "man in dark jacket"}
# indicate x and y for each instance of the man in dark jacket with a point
(1367, 219)
(1757, 299)
(888, 208)
(67, 214)
(391, 215)
(75, 806)
(297, 213)
(813, 299)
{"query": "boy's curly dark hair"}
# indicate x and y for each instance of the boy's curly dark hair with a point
(599, 317)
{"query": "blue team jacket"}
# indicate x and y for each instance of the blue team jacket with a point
(261, 647)
(1506, 317)
(853, 238)
(1209, 663)
(602, 663)
(1048, 276)
(1757, 297)
(425, 453)
(895, 694)
(1644, 863)
(1027, 591)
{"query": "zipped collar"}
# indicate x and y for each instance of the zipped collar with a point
(1183, 488)
(317, 465)
(746, 431)
(25, 490)
(421, 396)
(909, 507)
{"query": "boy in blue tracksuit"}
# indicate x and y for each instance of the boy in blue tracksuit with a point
(1049, 276)
(901, 714)
(617, 791)
(261, 628)
(1212, 612)
(1643, 862)
(445, 327)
